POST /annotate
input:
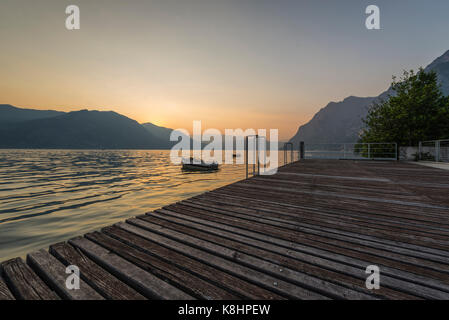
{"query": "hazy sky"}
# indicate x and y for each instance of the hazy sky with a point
(248, 64)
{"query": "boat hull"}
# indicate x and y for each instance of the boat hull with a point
(199, 167)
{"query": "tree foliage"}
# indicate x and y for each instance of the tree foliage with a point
(416, 111)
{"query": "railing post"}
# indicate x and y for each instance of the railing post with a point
(291, 154)
(254, 156)
(419, 150)
(437, 155)
(257, 154)
(246, 155)
(285, 154)
(301, 150)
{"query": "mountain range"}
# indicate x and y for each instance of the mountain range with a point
(341, 122)
(27, 128)
(338, 122)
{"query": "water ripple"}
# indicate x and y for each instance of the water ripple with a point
(47, 196)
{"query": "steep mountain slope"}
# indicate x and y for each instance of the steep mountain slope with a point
(157, 131)
(164, 134)
(337, 122)
(340, 122)
(441, 67)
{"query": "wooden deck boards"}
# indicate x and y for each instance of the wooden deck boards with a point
(308, 232)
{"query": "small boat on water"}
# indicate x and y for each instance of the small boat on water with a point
(198, 165)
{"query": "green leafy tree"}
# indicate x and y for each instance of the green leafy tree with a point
(416, 111)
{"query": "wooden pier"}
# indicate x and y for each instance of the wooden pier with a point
(308, 232)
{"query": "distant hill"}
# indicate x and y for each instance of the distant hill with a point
(157, 131)
(164, 134)
(10, 114)
(340, 122)
(79, 130)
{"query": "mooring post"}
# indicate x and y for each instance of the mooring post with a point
(437, 150)
(301, 150)
(285, 154)
(291, 154)
(257, 154)
(246, 155)
(419, 150)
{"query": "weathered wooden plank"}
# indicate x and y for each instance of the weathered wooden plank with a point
(327, 260)
(282, 206)
(344, 222)
(287, 213)
(307, 232)
(291, 245)
(338, 184)
(95, 276)
(315, 205)
(342, 286)
(54, 274)
(327, 200)
(300, 233)
(349, 275)
(307, 218)
(411, 285)
(395, 239)
(242, 288)
(5, 293)
(409, 200)
(255, 276)
(337, 205)
(141, 280)
(312, 229)
(166, 270)
(24, 283)
(341, 196)
(385, 193)
(335, 177)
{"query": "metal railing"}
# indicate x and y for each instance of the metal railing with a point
(286, 145)
(352, 151)
(256, 153)
(434, 150)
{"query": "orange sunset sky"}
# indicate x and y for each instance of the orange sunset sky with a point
(231, 64)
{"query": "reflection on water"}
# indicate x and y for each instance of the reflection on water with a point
(47, 196)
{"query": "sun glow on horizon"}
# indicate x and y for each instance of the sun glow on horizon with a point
(230, 64)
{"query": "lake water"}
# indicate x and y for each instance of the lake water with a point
(48, 196)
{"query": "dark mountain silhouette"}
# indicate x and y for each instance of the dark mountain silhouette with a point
(80, 130)
(10, 114)
(340, 122)
(441, 67)
(157, 131)
(163, 133)
(337, 122)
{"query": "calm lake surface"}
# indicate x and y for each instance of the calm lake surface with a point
(47, 196)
